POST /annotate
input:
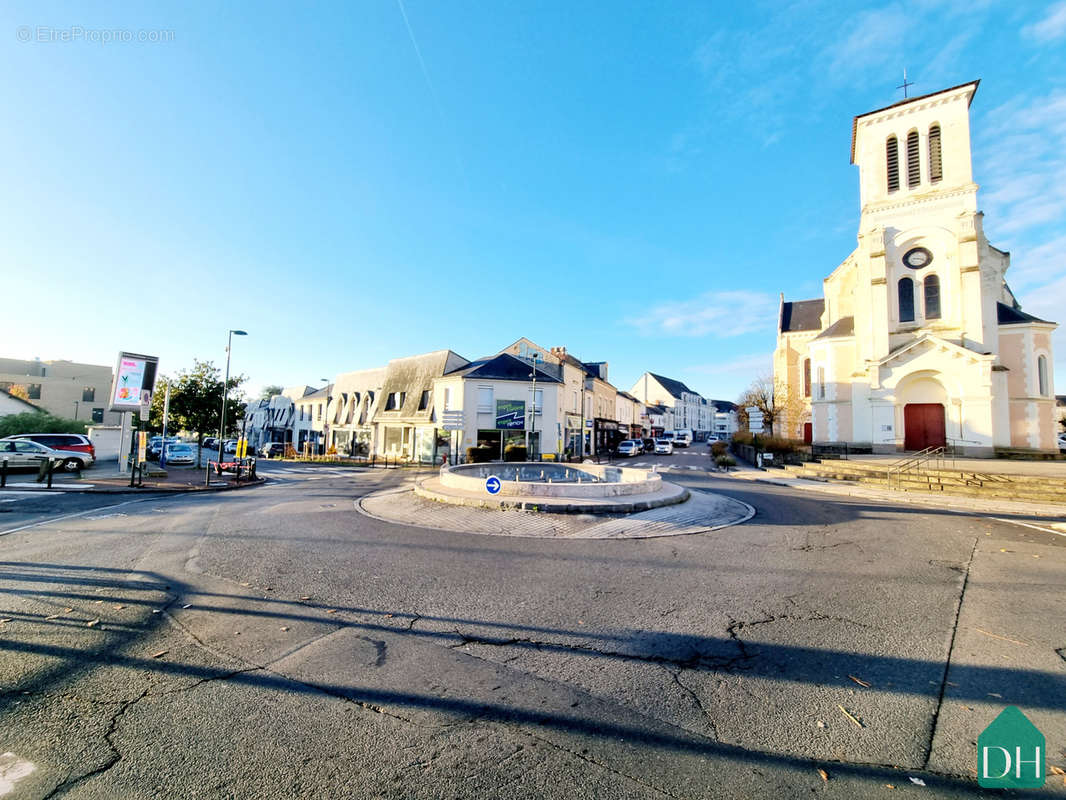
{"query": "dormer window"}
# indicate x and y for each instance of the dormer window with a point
(892, 161)
(936, 167)
(914, 171)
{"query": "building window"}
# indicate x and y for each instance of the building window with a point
(395, 401)
(806, 377)
(538, 400)
(1041, 376)
(33, 391)
(88, 394)
(932, 297)
(484, 399)
(319, 411)
(573, 402)
(936, 167)
(914, 171)
(98, 415)
(423, 401)
(821, 383)
(906, 300)
(892, 159)
(447, 398)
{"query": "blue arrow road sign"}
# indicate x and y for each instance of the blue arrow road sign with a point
(492, 484)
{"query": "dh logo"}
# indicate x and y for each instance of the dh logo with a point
(1010, 753)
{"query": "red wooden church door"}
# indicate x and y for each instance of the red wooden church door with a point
(923, 426)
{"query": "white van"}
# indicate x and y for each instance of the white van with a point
(682, 437)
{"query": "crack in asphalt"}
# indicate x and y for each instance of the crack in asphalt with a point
(699, 703)
(947, 660)
(116, 754)
(716, 662)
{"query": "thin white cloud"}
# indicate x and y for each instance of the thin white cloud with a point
(1049, 29)
(718, 314)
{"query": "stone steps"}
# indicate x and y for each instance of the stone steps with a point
(957, 482)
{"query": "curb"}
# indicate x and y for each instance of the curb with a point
(59, 489)
(540, 506)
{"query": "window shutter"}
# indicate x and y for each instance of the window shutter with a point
(892, 159)
(914, 172)
(936, 169)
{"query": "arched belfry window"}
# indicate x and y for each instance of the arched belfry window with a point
(906, 300)
(932, 297)
(914, 171)
(892, 161)
(936, 165)
(1041, 376)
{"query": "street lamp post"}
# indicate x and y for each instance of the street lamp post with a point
(225, 392)
(325, 418)
(533, 413)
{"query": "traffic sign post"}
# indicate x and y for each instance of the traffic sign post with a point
(492, 484)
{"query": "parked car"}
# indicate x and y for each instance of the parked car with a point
(21, 452)
(1062, 442)
(155, 446)
(61, 441)
(271, 449)
(664, 447)
(181, 454)
(229, 446)
(682, 437)
(210, 443)
(630, 447)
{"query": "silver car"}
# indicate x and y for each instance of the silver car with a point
(22, 453)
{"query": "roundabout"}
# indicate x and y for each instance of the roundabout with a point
(585, 501)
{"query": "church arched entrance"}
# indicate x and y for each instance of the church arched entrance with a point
(923, 426)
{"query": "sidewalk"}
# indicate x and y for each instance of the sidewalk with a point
(982, 506)
(107, 479)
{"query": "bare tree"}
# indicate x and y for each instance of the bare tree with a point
(760, 394)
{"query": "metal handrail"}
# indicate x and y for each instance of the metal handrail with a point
(914, 462)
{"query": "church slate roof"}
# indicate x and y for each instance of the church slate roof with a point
(802, 315)
(845, 326)
(1006, 315)
(675, 388)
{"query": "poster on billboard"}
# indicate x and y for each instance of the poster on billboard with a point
(134, 375)
(510, 415)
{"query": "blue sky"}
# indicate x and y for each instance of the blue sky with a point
(361, 181)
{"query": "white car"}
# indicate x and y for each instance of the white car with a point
(180, 454)
(1062, 442)
(21, 453)
(664, 447)
(630, 447)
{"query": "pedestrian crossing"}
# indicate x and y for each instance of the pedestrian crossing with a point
(668, 467)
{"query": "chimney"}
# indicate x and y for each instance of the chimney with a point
(559, 352)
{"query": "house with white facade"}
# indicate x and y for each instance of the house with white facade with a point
(917, 340)
(688, 408)
(354, 398)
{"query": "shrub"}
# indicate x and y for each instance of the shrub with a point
(38, 422)
(479, 455)
(768, 444)
(725, 461)
(514, 452)
(719, 449)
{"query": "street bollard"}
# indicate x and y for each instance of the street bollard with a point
(3, 473)
(51, 469)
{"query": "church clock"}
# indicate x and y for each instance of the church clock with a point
(917, 257)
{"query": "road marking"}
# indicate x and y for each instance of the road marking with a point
(81, 514)
(12, 770)
(40, 487)
(1030, 525)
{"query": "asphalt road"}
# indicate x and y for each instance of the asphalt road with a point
(275, 643)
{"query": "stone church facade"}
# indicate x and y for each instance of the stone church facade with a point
(917, 340)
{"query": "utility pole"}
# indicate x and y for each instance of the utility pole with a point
(532, 444)
(225, 392)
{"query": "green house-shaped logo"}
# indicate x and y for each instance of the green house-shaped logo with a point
(1011, 752)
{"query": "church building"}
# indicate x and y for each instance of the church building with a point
(917, 340)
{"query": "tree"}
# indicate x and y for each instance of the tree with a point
(196, 401)
(269, 391)
(760, 395)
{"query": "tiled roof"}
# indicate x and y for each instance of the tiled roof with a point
(1006, 315)
(802, 315)
(845, 326)
(675, 388)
